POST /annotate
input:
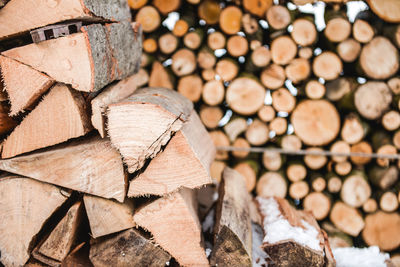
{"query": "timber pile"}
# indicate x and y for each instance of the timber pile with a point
(265, 74)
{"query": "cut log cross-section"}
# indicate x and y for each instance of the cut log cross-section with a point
(62, 239)
(26, 204)
(133, 249)
(24, 92)
(233, 240)
(90, 165)
(60, 116)
(185, 162)
(82, 60)
(140, 124)
(20, 16)
(167, 216)
(108, 216)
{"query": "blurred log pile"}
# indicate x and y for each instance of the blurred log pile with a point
(273, 74)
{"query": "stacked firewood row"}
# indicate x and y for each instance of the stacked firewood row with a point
(263, 74)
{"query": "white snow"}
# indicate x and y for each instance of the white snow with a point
(355, 257)
(277, 228)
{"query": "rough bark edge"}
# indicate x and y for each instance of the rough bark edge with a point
(114, 10)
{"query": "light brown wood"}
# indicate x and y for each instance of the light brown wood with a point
(166, 6)
(24, 92)
(343, 168)
(337, 29)
(318, 183)
(363, 31)
(233, 224)
(382, 229)
(372, 99)
(278, 125)
(355, 190)
(230, 20)
(113, 94)
(129, 122)
(89, 165)
(327, 65)
(278, 17)
(193, 39)
(136, 4)
(206, 58)
(352, 130)
(315, 162)
(349, 50)
(108, 216)
(168, 43)
(190, 87)
(150, 45)
(318, 204)
(184, 163)
(248, 173)
(385, 150)
(337, 89)
(298, 70)
(347, 219)
(394, 85)
(388, 202)
(227, 69)
(391, 120)
(210, 116)
(340, 146)
(26, 204)
(159, 77)
(261, 56)
(250, 24)
(21, 16)
(257, 133)
(362, 147)
(209, 11)
(220, 139)
(235, 127)
(237, 46)
(304, 32)
(316, 122)
(272, 161)
(216, 169)
(273, 77)
(240, 143)
(64, 236)
(283, 100)
(149, 18)
(370, 206)
(283, 50)
(213, 92)
(298, 190)
(60, 116)
(216, 40)
(291, 142)
(296, 172)
(315, 89)
(388, 10)
(175, 213)
(305, 52)
(181, 27)
(334, 184)
(208, 74)
(379, 59)
(127, 248)
(257, 7)
(77, 59)
(271, 184)
(245, 96)
(266, 113)
(183, 62)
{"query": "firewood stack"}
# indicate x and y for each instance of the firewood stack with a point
(278, 74)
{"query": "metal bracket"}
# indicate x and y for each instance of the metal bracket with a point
(55, 31)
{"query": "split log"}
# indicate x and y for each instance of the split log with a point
(26, 205)
(232, 232)
(140, 124)
(81, 60)
(112, 94)
(379, 59)
(14, 16)
(61, 114)
(216, 169)
(245, 96)
(291, 237)
(108, 216)
(90, 165)
(159, 77)
(382, 229)
(185, 162)
(316, 122)
(388, 10)
(63, 238)
(346, 218)
(24, 92)
(133, 249)
(79, 257)
(271, 184)
(169, 215)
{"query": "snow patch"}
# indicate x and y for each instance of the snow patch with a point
(355, 257)
(277, 228)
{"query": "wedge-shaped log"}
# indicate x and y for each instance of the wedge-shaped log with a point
(88, 60)
(232, 232)
(110, 95)
(20, 16)
(108, 216)
(60, 116)
(172, 214)
(25, 205)
(90, 165)
(79, 257)
(127, 248)
(292, 238)
(22, 92)
(185, 162)
(56, 247)
(140, 124)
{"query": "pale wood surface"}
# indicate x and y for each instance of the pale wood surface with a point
(19, 16)
(62, 239)
(23, 92)
(185, 162)
(91, 165)
(133, 249)
(140, 124)
(233, 240)
(25, 205)
(159, 77)
(60, 116)
(173, 222)
(108, 216)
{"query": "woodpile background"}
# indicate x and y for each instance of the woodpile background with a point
(286, 74)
